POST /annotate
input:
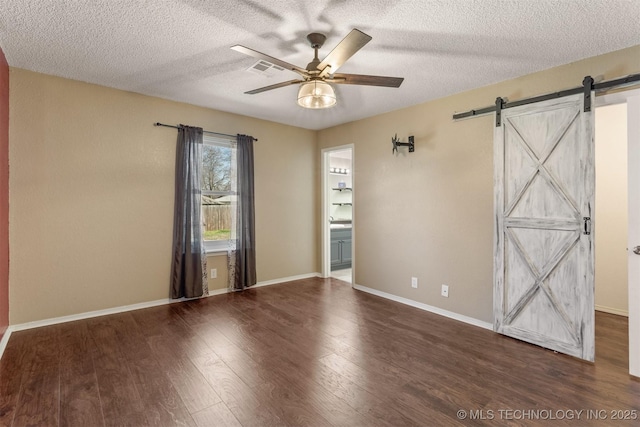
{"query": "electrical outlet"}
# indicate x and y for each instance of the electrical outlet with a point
(445, 291)
(414, 282)
(214, 273)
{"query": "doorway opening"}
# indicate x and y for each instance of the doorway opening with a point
(337, 208)
(617, 272)
(611, 216)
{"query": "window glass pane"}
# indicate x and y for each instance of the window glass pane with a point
(216, 168)
(216, 216)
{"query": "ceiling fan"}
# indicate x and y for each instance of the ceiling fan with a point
(315, 90)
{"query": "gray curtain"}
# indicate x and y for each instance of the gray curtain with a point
(188, 267)
(242, 255)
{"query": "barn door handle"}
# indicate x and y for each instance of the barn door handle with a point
(587, 225)
(636, 250)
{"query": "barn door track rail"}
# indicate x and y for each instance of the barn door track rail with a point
(588, 85)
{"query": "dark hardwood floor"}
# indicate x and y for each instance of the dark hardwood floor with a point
(312, 352)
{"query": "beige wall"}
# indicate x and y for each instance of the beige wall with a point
(611, 209)
(91, 195)
(429, 213)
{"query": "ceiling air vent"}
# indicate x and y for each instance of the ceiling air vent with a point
(265, 68)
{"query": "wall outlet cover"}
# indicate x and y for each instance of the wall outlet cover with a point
(445, 291)
(414, 282)
(214, 273)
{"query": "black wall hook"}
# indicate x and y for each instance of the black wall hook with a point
(396, 143)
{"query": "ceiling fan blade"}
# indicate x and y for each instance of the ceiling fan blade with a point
(354, 41)
(361, 79)
(275, 86)
(265, 57)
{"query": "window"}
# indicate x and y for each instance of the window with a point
(218, 192)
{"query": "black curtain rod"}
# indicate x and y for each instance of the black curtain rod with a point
(205, 131)
(630, 80)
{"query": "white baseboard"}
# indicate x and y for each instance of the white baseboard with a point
(214, 292)
(426, 307)
(268, 283)
(612, 310)
(90, 314)
(125, 308)
(286, 279)
(5, 340)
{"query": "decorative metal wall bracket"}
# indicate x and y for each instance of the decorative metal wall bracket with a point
(397, 143)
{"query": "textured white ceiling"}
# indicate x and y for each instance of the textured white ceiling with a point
(179, 49)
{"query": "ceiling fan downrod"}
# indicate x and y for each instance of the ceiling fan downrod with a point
(316, 40)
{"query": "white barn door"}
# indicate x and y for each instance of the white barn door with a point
(544, 207)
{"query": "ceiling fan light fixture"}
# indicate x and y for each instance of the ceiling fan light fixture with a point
(316, 94)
